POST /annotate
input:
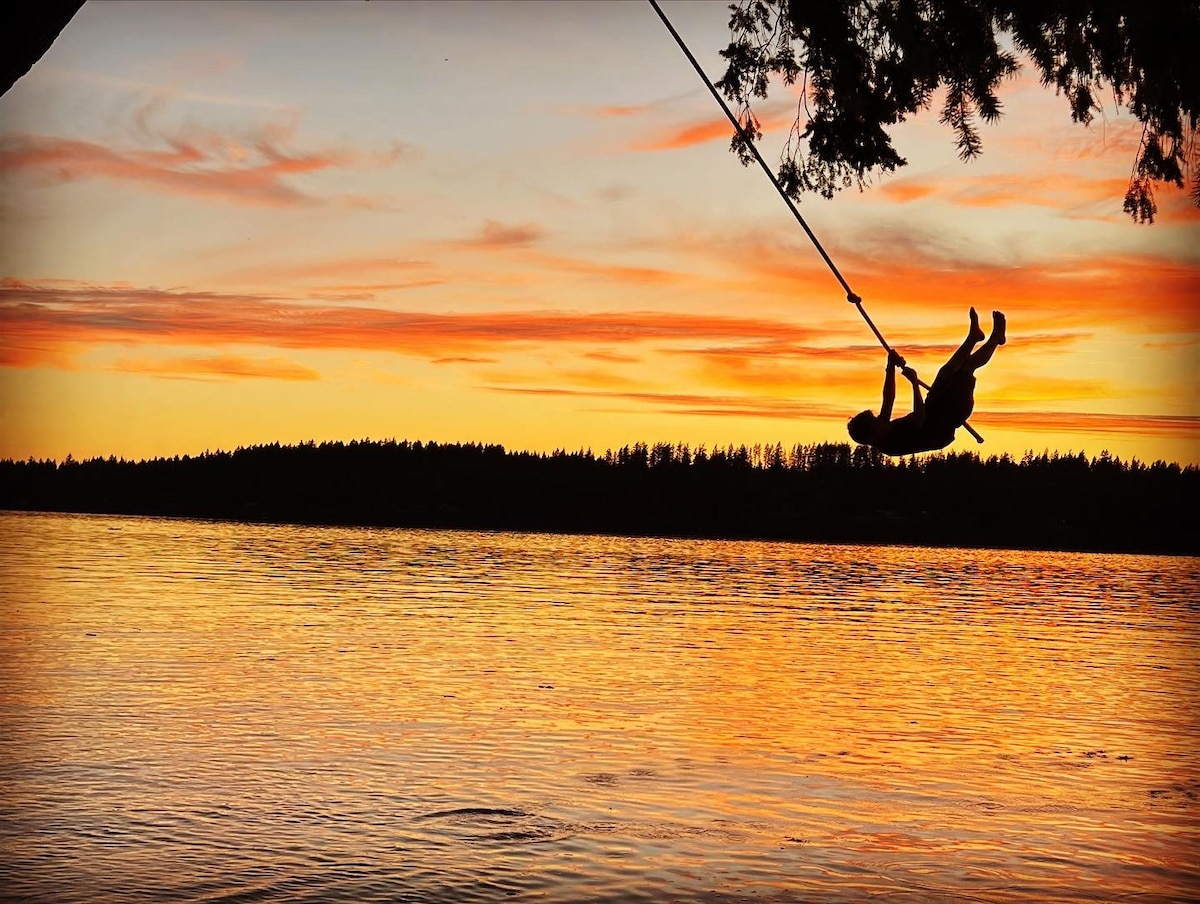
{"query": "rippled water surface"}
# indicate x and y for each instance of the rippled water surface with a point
(196, 711)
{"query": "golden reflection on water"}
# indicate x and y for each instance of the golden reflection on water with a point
(196, 711)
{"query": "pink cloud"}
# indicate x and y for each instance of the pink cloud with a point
(494, 234)
(255, 167)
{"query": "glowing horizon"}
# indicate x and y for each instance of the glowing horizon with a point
(454, 230)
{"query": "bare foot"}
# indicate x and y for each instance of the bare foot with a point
(998, 326)
(975, 334)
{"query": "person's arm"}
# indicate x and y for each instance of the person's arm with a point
(889, 386)
(889, 391)
(918, 406)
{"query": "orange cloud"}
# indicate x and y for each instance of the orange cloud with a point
(368, 291)
(611, 357)
(1172, 345)
(462, 359)
(329, 269)
(617, 111)
(674, 138)
(906, 191)
(42, 323)
(1167, 426)
(1060, 190)
(48, 353)
(590, 378)
(1046, 388)
(501, 235)
(1142, 293)
(48, 316)
(255, 169)
(59, 160)
(892, 267)
(1113, 141)
(641, 276)
(217, 366)
(686, 136)
(692, 404)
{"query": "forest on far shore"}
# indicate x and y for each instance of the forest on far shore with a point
(826, 492)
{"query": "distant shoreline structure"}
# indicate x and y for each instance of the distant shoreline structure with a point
(822, 493)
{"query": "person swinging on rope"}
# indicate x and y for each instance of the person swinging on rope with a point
(932, 422)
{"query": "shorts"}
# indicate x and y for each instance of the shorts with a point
(950, 400)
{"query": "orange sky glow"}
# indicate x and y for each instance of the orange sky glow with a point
(520, 223)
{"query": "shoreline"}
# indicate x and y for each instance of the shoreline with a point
(825, 493)
(612, 534)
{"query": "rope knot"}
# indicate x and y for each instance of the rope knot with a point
(853, 299)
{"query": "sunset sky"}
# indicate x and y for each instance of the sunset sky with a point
(520, 223)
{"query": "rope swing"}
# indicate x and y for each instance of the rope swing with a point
(851, 297)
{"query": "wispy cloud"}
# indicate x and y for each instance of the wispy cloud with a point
(369, 291)
(257, 165)
(607, 270)
(1045, 388)
(609, 357)
(674, 138)
(494, 234)
(219, 64)
(44, 323)
(701, 131)
(1143, 292)
(862, 352)
(463, 359)
(1058, 190)
(617, 111)
(54, 315)
(184, 169)
(907, 190)
(918, 293)
(690, 403)
(1165, 426)
(355, 267)
(221, 366)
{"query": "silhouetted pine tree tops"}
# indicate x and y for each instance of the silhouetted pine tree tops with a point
(827, 492)
(866, 66)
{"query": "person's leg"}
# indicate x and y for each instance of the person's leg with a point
(985, 352)
(963, 354)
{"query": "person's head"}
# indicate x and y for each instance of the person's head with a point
(863, 426)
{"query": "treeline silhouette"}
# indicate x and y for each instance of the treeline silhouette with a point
(827, 492)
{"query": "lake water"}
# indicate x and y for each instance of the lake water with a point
(194, 711)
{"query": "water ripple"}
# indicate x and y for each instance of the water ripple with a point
(217, 712)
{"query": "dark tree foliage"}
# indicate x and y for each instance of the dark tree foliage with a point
(828, 492)
(866, 65)
(27, 29)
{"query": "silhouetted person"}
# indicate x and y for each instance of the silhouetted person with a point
(933, 420)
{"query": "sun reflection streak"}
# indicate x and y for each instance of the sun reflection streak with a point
(590, 715)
